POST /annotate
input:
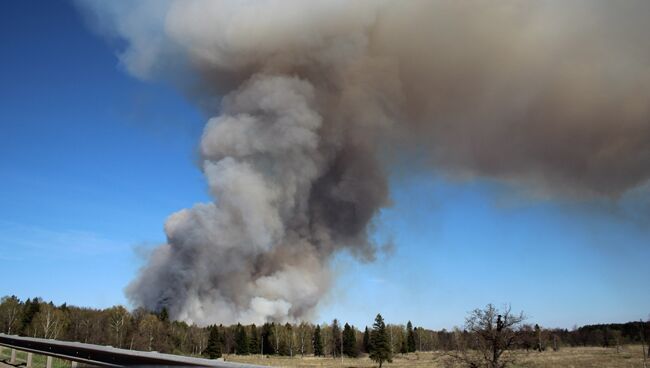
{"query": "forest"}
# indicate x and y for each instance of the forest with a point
(154, 331)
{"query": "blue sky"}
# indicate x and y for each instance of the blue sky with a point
(92, 161)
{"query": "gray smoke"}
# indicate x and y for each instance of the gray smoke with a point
(313, 101)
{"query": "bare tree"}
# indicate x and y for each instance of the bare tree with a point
(149, 327)
(118, 321)
(291, 337)
(86, 325)
(49, 321)
(9, 312)
(492, 332)
(303, 334)
(276, 335)
(197, 338)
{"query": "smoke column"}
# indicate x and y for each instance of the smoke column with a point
(313, 101)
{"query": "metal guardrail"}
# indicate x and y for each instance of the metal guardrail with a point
(107, 356)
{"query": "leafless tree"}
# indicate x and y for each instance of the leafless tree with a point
(49, 321)
(9, 312)
(492, 333)
(149, 327)
(291, 337)
(303, 334)
(118, 322)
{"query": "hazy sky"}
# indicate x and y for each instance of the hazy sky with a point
(83, 195)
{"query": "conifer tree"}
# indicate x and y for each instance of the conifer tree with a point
(318, 342)
(241, 340)
(223, 338)
(267, 344)
(31, 308)
(349, 341)
(366, 341)
(403, 349)
(379, 344)
(213, 349)
(254, 341)
(336, 339)
(410, 338)
(163, 316)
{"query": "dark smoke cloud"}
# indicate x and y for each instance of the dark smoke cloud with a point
(312, 100)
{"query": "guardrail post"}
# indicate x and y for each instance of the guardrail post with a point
(13, 357)
(29, 360)
(74, 364)
(48, 363)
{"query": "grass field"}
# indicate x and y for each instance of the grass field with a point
(38, 361)
(629, 356)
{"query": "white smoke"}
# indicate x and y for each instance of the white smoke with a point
(312, 98)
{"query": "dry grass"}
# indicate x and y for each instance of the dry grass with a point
(629, 356)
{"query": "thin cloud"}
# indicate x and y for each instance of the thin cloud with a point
(19, 240)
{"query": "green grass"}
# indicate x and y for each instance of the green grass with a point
(38, 361)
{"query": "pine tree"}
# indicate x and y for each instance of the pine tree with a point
(318, 342)
(254, 341)
(164, 315)
(224, 340)
(417, 331)
(241, 340)
(403, 349)
(30, 309)
(213, 349)
(410, 338)
(379, 344)
(336, 339)
(267, 344)
(366, 341)
(349, 341)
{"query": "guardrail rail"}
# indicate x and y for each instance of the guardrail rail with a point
(106, 356)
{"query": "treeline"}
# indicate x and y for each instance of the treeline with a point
(610, 334)
(150, 331)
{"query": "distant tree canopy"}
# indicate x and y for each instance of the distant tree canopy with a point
(145, 330)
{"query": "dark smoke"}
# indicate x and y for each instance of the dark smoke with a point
(312, 100)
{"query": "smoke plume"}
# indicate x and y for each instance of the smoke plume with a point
(313, 101)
